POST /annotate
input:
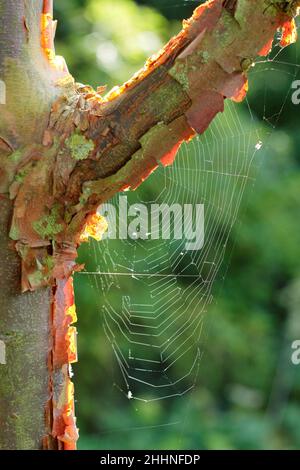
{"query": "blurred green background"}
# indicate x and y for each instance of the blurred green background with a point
(247, 390)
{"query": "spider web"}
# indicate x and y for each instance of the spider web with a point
(153, 295)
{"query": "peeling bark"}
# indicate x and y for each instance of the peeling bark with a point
(60, 413)
(27, 385)
(65, 149)
(98, 146)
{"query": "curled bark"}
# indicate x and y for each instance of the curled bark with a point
(95, 146)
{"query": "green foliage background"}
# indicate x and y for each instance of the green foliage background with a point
(248, 390)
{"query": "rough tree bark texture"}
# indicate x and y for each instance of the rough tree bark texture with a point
(24, 339)
(65, 149)
(26, 333)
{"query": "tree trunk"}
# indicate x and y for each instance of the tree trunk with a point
(29, 379)
(24, 349)
(65, 149)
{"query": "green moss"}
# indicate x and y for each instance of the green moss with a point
(80, 146)
(16, 156)
(85, 195)
(152, 133)
(183, 67)
(180, 72)
(205, 56)
(48, 226)
(21, 175)
(49, 263)
(14, 232)
(161, 103)
(36, 278)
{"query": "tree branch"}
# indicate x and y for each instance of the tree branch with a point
(98, 146)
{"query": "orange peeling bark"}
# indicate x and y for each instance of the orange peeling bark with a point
(289, 33)
(60, 409)
(48, 30)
